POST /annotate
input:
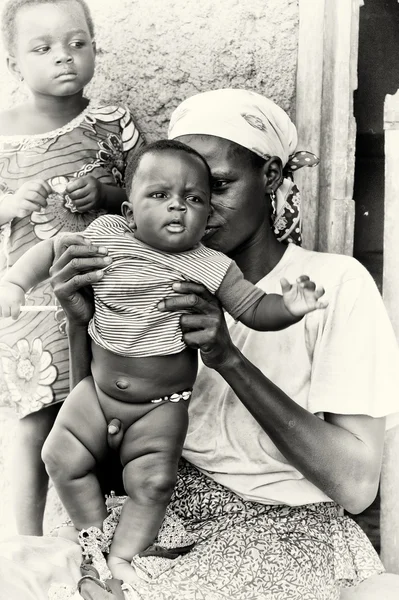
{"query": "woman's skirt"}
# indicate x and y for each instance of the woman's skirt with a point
(243, 551)
(250, 551)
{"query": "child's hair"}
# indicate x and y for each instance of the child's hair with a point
(160, 146)
(13, 6)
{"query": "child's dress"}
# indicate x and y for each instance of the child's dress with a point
(34, 368)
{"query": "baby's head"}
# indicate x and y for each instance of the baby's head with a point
(49, 44)
(169, 189)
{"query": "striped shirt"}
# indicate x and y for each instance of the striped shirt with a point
(127, 321)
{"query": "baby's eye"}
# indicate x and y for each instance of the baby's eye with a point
(78, 44)
(159, 195)
(195, 199)
(42, 49)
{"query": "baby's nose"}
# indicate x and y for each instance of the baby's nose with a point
(177, 204)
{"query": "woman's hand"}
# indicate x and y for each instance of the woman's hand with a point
(203, 324)
(77, 264)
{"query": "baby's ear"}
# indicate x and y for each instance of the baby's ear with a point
(127, 212)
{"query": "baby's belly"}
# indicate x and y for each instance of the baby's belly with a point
(139, 380)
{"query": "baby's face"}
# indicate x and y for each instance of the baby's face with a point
(170, 200)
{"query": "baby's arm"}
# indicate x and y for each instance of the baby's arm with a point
(29, 270)
(268, 312)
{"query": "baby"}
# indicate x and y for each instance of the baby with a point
(142, 372)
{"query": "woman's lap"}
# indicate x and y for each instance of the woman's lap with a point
(249, 551)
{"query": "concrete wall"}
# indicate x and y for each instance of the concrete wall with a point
(151, 55)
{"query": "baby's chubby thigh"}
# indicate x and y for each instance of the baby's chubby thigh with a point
(151, 450)
(78, 438)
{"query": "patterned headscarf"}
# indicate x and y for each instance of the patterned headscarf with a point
(258, 124)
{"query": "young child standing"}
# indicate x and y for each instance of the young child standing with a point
(62, 160)
(142, 372)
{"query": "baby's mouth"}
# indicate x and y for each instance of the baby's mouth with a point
(175, 226)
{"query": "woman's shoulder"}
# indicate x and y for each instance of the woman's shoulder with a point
(337, 267)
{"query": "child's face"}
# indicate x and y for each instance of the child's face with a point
(54, 51)
(170, 200)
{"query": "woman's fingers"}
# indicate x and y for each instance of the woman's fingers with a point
(192, 296)
(71, 259)
(66, 287)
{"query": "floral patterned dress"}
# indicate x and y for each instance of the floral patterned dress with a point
(34, 368)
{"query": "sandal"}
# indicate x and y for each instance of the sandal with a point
(161, 552)
(95, 580)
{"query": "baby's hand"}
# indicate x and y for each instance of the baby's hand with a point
(86, 193)
(30, 197)
(302, 297)
(12, 297)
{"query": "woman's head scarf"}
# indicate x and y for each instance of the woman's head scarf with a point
(258, 124)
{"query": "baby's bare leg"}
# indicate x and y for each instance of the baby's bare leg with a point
(150, 453)
(74, 446)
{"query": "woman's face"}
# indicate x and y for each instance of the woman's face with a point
(238, 195)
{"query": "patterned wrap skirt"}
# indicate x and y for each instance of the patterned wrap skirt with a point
(243, 551)
(250, 551)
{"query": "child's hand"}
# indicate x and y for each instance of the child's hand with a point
(12, 297)
(86, 193)
(302, 297)
(30, 197)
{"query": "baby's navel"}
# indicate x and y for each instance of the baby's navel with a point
(122, 384)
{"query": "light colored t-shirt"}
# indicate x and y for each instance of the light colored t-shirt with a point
(126, 320)
(343, 360)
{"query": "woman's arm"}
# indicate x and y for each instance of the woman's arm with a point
(340, 455)
(77, 265)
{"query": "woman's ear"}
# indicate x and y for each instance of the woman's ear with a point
(273, 172)
(13, 67)
(127, 212)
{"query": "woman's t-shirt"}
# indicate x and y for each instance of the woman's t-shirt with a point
(342, 360)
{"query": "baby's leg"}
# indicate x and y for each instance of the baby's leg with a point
(74, 446)
(150, 453)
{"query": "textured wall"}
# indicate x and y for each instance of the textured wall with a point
(154, 53)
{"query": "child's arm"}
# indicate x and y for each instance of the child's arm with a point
(29, 197)
(29, 270)
(88, 193)
(268, 312)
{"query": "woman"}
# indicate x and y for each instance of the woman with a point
(285, 427)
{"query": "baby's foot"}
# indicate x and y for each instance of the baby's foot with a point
(121, 569)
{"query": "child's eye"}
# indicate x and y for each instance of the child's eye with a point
(77, 44)
(194, 199)
(158, 195)
(42, 49)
